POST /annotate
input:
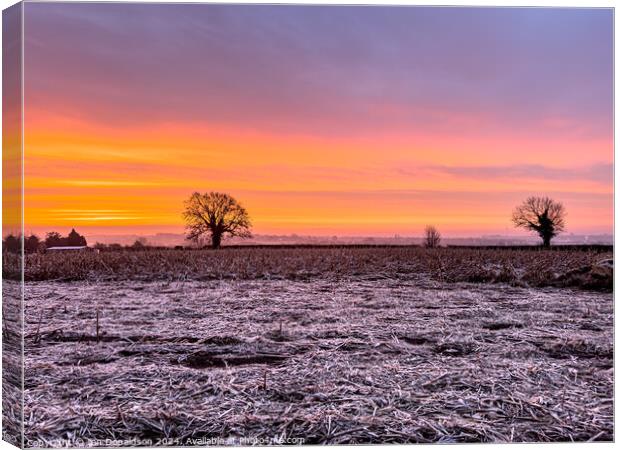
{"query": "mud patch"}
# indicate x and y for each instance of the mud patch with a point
(576, 348)
(495, 326)
(206, 359)
(222, 340)
(590, 326)
(455, 348)
(416, 339)
(88, 360)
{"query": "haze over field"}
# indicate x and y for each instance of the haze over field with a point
(174, 239)
(319, 120)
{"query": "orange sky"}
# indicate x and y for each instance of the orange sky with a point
(136, 179)
(113, 147)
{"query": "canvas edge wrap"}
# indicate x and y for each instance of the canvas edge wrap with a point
(12, 223)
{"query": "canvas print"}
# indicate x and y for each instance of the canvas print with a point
(294, 224)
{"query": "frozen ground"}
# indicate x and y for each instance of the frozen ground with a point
(364, 360)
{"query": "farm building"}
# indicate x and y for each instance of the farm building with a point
(72, 248)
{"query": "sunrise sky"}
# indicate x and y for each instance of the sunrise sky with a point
(319, 120)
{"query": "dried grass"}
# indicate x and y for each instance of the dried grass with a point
(12, 373)
(372, 357)
(518, 267)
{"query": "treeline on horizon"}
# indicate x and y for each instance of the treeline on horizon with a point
(212, 216)
(34, 244)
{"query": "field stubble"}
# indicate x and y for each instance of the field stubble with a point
(358, 359)
(516, 267)
(275, 346)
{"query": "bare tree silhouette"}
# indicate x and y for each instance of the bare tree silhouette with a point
(216, 214)
(12, 244)
(32, 244)
(76, 239)
(54, 239)
(542, 215)
(139, 243)
(432, 237)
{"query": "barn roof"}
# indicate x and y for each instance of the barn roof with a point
(68, 247)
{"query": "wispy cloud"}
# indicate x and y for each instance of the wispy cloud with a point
(599, 173)
(107, 183)
(96, 215)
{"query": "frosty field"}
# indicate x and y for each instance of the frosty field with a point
(367, 357)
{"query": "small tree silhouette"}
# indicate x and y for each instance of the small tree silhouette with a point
(74, 239)
(54, 239)
(432, 237)
(140, 243)
(32, 244)
(216, 214)
(542, 215)
(12, 244)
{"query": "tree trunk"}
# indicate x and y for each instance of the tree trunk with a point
(216, 240)
(546, 241)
